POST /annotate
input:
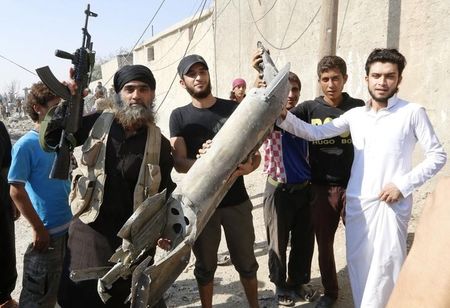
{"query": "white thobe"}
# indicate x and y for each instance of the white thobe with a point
(376, 232)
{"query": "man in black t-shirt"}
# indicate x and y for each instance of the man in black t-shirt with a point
(331, 160)
(190, 127)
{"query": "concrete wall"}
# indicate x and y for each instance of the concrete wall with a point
(419, 28)
(227, 38)
(169, 48)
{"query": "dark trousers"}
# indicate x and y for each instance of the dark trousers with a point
(287, 212)
(328, 205)
(237, 223)
(8, 274)
(88, 248)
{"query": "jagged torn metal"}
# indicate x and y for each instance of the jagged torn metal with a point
(193, 202)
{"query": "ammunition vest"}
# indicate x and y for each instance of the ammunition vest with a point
(86, 195)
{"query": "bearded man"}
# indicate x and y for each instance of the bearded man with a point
(190, 127)
(383, 177)
(130, 135)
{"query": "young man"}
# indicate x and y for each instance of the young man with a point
(43, 202)
(190, 127)
(379, 192)
(93, 234)
(238, 88)
(8, 214)
(330, 161)
(287, 208)
(100, 90)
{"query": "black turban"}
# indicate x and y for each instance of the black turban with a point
(133, 72)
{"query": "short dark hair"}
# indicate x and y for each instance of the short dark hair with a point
(383, 55)
(331, 62)
(294, 78)
(39, 95)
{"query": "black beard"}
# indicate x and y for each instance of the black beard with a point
(201, 94)
(385, 98)
(135, 116)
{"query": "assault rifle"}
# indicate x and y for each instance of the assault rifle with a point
(72, 106)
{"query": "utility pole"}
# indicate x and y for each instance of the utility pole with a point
(26, 90)
(328, 30)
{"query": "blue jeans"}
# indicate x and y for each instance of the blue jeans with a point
(42, 273)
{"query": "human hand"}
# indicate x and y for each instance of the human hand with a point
(426, 259)
(257, 59)
(41, 239)
(15, 212)
(283, 113)
(244, 168)
(205, 146)
(259, 82)
(72, 85)
(390, 193)
(164, 243)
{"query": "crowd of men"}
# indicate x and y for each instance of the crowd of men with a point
(10, 107)
(357, 166)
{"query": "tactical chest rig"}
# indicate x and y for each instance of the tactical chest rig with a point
(86, 196)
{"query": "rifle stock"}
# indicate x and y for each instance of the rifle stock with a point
(83, 61)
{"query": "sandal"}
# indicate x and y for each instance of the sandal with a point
(284, 297)
(306, 293)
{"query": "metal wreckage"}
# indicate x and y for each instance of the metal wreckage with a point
(185, 213)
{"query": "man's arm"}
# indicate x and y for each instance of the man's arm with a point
(15, 211)
(299, 128)
(435, 156)
(182, 163)
(53, 130)
(424, 280)
(41, 238)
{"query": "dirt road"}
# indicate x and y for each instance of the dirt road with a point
(227, 288)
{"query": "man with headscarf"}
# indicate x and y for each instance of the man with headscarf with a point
(238, 88)
(93, 233)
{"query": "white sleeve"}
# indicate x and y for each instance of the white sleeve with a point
(435, 156)
(310, 132)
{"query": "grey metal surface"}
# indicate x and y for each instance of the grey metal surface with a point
(193, 202)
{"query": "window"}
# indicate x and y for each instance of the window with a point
(150, 53)
(190, 33)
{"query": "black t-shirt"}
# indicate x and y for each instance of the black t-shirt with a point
(195, 126)
(330, 159)
(5, 162)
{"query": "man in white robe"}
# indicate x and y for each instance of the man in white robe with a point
(379, 192)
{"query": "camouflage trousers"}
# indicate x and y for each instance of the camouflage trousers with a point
(41, 274)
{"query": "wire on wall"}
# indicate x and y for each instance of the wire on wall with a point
(139, 39)
(343, 21)
(184, 54)
(198, 42)
(291, 44)
(166, 53)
